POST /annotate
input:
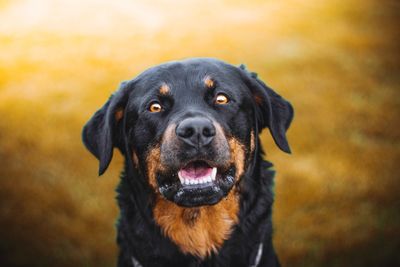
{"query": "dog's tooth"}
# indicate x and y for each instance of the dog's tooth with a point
(187, 182)
(209, 179)
(181, 178)
(213, 173)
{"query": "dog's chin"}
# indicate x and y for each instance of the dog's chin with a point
(196, 184)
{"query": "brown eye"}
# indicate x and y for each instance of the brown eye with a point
(221, 99)
(155, 107)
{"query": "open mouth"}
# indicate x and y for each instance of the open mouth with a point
(197, 173)
(197, 183)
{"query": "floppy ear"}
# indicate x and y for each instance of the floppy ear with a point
(272, 110)
(99, 133)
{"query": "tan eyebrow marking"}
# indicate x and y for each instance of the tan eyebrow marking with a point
(164, 89)
(208, 81)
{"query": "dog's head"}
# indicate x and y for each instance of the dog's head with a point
(190, 127)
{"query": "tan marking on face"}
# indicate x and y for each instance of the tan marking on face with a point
(119, 114)
(153, 159)
(237, 156)
(207, 228)
(169, 134)
(135, 159)
(221, 143)
(208, 81)
(164, 89)
(153, 166)
(252, 141)
(219, 131)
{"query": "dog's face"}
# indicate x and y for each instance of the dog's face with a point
(191, 131)
(190, 127)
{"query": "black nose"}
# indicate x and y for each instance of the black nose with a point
(197, 132)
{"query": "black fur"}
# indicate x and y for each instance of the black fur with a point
(139, 237)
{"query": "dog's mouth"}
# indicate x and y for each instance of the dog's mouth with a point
(197, 173)
(197, 183)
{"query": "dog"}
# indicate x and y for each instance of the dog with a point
(195, 190)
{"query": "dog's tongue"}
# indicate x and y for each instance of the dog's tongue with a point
(196, 170)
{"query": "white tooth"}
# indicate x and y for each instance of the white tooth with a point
(187, 181)
(181, 178)
(213, 173)
(191, 182)
(209, 179)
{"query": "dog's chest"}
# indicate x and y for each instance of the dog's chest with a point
(198, 231)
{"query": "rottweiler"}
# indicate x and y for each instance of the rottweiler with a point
(195, 190)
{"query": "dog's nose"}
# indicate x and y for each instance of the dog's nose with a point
(196, 132)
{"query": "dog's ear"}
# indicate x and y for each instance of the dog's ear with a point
(272, 110)
(99, 133)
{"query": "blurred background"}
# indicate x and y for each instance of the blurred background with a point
(337, 196)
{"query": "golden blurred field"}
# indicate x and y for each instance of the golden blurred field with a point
(337, 196)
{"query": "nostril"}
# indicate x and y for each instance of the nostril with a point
(188, 132)
(208, 132)
(184, 132)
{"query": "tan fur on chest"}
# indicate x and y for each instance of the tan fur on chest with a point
(198, 231)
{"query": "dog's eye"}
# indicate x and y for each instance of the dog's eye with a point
(221, 99)
(155, 107)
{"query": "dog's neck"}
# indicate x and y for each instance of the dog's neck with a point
(198, 231)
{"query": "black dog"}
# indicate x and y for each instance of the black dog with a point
(195, 190)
